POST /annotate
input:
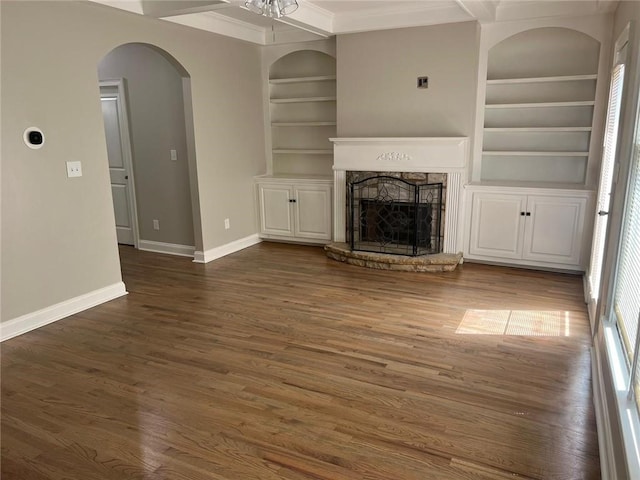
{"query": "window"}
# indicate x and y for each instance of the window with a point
(606, 178)
(626, 301)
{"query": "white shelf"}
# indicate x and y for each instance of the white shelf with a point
(523, 153)
(303, 124)
(578, 188)
(537, 129)
(564, 78)
(306, 151)
(303, 99)
(588, 103)
(317, 78)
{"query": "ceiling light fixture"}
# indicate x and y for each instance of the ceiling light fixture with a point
(272, 8)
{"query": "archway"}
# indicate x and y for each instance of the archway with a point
(146, 100)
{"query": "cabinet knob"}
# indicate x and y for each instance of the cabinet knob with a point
(528, 214)
(522, 214)
(292, 200)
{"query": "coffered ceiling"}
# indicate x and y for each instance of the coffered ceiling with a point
(323, 18)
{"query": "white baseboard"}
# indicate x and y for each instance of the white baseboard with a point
(170, 248)
(217, 252)
(31, 321)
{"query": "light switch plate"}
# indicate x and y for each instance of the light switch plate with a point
(74, 169)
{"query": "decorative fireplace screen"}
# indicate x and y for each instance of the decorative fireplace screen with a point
(391, 215)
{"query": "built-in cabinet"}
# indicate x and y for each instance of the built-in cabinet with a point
(295, 196)
(295, 209)
(528, 227)
(536, 163)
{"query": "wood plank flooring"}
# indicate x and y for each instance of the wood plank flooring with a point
(278, 363)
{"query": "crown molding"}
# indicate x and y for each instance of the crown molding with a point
(217, 23)
(133, 6)
(482, 10)
(312, 18)
(385, 19)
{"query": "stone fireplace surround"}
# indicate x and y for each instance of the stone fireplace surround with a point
(433, 155)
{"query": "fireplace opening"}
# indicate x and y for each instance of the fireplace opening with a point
(395, 216)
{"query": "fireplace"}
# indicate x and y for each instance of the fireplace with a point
(388, 214)
(416, 160)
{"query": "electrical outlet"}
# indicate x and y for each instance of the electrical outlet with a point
(156, 224)
(74, 169)
(174, 155)
(423, 82)
(227, 225)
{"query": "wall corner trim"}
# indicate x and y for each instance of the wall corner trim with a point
(221, 251)
(39, 318)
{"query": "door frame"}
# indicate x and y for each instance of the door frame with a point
(125, 140)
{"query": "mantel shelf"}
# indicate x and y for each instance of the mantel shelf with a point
(525, 153)
(537, 129)
(586, 103)
(317, 78)
(303, 124)
(306, 151)
(303, 99)
(561, 78)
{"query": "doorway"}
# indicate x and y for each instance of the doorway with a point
(147, 109)
(116, 129)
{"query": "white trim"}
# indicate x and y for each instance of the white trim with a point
(223, 250)
(169, 248)
(618, 410)
(603, 424)
(31, 321)
(401, 154)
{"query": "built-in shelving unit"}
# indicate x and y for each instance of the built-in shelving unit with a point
(302, 97)
(539, 105)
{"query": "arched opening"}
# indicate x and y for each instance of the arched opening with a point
(146, 104)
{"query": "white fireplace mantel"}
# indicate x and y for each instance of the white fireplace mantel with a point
(448, 155)
(401, 154)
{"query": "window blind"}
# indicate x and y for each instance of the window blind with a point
(627, 290)
(606, 177)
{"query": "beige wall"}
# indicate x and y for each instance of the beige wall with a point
(157, 124)
(376, 81)
(58, 234)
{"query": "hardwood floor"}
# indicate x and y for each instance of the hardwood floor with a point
(277, 363)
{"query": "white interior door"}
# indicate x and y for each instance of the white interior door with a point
(120, 169)
(607, 170)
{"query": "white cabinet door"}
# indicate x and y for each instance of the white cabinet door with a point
(275, 209)
(497, 225)
(554, 228)
(312, 208)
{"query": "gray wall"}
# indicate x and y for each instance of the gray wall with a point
(157, 124)
(376, 81)
(58, 234)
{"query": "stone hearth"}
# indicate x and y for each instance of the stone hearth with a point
(441, 262)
